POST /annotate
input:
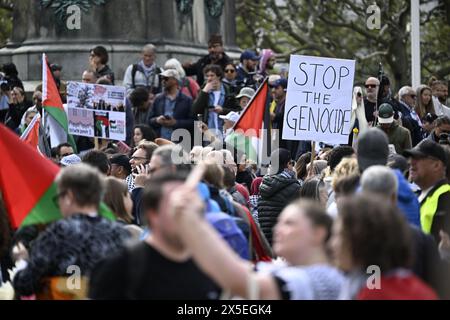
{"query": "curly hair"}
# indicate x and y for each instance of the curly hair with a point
(375, 233)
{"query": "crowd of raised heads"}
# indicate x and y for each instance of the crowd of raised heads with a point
(365, 220)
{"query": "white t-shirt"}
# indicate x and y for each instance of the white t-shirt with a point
(424, 193)
(314, 282)
(441, 110)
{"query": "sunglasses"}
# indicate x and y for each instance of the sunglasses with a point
(370, 86)
(359, 94)
(230, 71)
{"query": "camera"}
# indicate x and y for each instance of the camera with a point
(430, 117)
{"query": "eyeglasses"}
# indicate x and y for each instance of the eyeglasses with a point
(230, 71)
(412, 96)
(370, 86)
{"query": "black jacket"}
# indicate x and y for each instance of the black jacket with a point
(201, 104)
(197, 68)
(427, 263)
(106, 72)
(276, 193)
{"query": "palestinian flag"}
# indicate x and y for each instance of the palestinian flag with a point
(251, 133)
(56, 118)
(27, 183)
(31, 133)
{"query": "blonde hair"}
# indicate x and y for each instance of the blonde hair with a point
(345, 168)
(214, 174)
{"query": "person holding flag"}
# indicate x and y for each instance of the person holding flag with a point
(55, 118)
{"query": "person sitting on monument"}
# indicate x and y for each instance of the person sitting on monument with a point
(216, 55)
(98, 59)
(188, 86)
(145, 73)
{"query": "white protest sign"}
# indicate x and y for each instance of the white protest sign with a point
(96, 110)
(319, 99)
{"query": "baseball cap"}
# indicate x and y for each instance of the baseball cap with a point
(70, 160)
(249, 55)
(231, 116)
(121, 160)
(246, 92)
(170, 73)
(281, 82)
(385, 114)
(273, 78)
(55, 67)
(427, 148)
(372, 149)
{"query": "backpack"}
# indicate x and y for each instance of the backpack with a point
(187, 84)
(230, 232)
(135, 68)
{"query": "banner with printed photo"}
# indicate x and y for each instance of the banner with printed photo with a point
(96, 110)
(319, 99)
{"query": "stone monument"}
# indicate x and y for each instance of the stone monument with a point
(67, 29)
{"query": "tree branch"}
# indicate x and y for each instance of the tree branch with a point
(371, 55)
(7, 5)
(285, 24)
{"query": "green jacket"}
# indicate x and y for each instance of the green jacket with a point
(399, 137)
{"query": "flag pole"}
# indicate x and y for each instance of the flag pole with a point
(415, 43)
(313, 155)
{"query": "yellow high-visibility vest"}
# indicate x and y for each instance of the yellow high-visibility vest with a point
(429, 207)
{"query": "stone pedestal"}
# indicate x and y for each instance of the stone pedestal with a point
(123, 27)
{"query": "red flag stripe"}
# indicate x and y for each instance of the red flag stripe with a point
(20, 185)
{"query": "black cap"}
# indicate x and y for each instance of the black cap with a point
(427, 148)
(55, 67)
(121, 160)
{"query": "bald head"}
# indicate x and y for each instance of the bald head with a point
(88, 77)
(372, 84)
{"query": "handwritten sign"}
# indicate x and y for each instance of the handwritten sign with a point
(319, 99)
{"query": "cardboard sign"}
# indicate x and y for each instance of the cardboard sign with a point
(319, 99)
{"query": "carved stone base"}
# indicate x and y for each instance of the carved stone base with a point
(122, 27)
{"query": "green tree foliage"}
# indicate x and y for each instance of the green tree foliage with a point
(339, 29)
(5, 21)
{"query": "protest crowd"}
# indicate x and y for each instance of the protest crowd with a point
(164, 215)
